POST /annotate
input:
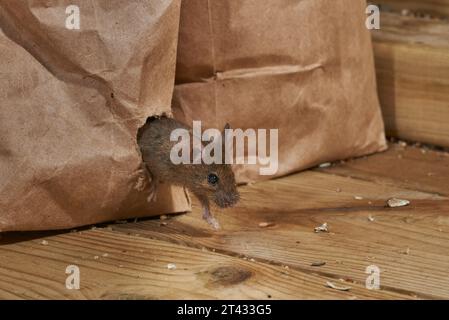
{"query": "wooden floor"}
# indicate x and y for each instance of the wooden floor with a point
(409, 244)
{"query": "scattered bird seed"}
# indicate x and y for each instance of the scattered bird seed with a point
(358, 198)
(336, 287)
(105, 254)
(371, 218)
(96, 257)
(406, 251)
(322, 228)
(171, 266)
(325, 165)
(265, 224)
(318, 264)
(44, 242)
(163, 217)
(394, 203)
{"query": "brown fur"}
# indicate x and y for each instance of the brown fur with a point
(155, 145)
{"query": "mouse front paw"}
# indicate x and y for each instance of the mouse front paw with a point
(213, 222)
(210, 219)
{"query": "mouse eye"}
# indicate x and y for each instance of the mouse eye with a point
(212, 178)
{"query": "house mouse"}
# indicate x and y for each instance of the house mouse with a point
(208, 182)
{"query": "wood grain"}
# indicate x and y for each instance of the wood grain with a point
(434, 7)
(412, 67)
(246, 261)
(408, 244)
(136, 268)
(410, 167)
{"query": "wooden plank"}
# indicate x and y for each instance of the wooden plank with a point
(434, 7)
(118, 266)
(412, 67)
(298, 203)
(243, 260)
(408, 167)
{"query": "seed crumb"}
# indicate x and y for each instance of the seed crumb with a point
(44, 242)
(336, 287)
(325, 165)
(265, 224)
(394, 203)
(171, 266)
(322, 228)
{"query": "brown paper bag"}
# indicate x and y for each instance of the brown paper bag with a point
(302, 67)
(71, 102)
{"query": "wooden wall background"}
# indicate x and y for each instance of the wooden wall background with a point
(412, 64)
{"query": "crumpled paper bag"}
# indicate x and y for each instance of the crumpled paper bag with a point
(71, 102)
(302, 67)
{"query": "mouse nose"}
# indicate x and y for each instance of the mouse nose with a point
(228, 201)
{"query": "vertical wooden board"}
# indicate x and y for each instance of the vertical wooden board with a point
(412, 67)
(413, 86)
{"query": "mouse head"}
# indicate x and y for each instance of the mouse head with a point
(216, 183)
